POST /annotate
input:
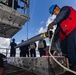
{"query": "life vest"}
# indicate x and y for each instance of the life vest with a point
(42, 44)
(32, 46)
(69, 24)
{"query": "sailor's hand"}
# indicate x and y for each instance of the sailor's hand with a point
(49, 34)
(50, 26)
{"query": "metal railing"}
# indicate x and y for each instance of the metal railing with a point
(6, 52)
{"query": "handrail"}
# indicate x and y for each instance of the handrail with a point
(6, 51)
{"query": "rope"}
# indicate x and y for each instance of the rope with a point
(67, 69)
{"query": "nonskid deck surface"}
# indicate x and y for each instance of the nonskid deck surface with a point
(12, 70)
(28, 66)
(34, 66)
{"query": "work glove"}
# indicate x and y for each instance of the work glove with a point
(49, 34)
(50, 26)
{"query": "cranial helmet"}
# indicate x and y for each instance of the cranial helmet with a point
(51, 9)
(22, 40)
(13, 39)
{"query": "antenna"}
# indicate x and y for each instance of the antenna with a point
(26, 6)
(27, 30)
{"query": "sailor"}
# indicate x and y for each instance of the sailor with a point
(27, 50)
(33, 49)
(66, 22)
(22, 50)
(42, 47)
(13, 50)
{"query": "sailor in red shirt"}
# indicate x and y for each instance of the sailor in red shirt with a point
(66, 29)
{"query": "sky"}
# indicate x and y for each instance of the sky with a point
(39, 19)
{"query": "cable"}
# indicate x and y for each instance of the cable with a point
(67, 69)
(27, 30)
(28, 10)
